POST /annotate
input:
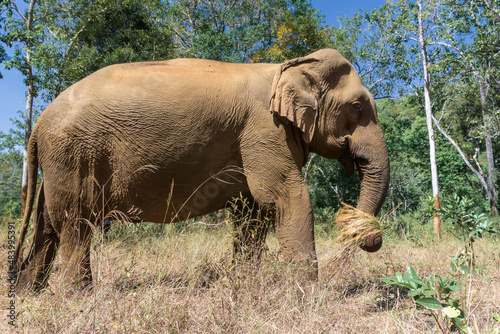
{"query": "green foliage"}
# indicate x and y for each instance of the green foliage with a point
(434, 293)
(395, 23)
(371, 52)
(465, 222)
(245, 30)
(441, 296)
(3, 54)
(129, 31)
(71, 39)
(296, 31)
(324, 219)
(405, 131)
(406, 137)
(10, 185)
(429, 208)
(217, 30)
(330, 185)
(11, 162)
(461, 39)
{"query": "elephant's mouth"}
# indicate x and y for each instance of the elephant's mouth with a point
(347, 159)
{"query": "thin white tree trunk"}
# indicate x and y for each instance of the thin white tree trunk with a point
(29, 102)
(491, 170)
(483, 83)
(430, 128)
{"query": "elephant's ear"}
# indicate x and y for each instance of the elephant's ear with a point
(295, 95)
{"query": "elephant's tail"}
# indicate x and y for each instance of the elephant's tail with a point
(27, 205)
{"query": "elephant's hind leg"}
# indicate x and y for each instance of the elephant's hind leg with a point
(76, 240)
(36, 267)
(251, 224)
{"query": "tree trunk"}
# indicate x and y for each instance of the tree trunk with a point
(27, 129)
(29, 101)
(484, 87)
(430, 128)
(491, 173)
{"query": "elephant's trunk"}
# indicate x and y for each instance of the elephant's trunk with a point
(369, 150)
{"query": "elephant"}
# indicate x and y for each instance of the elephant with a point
(163, 141)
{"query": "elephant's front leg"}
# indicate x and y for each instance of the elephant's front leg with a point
(295, 230)
(294, 225)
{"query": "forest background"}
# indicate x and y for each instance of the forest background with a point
(431, 66)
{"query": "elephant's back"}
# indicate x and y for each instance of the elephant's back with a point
(190, 93)
(155, 113)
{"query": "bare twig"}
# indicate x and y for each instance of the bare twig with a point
(314, 155)
(474, 157)
(19, 12)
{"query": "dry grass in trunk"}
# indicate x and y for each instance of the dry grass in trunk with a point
(353, 227)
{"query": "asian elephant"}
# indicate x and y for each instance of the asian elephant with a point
(163, 141)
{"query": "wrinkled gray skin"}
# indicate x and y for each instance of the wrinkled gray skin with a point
(164, 141)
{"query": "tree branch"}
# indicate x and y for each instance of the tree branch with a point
(326, 178)
(376, 82)
(314, 155)
(474, 157)
(382, 97)
(448, 46)
(82, 29)
(464, 158)
(181, 38)
(18, 11)
(488, 5)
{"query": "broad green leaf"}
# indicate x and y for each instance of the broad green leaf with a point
(389, 280)
(429, 293)
(458, 323)
(412, 274)
(413, 293)
(397, 281)
(430, 303)
(465, 269)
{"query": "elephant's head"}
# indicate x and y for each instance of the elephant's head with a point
(322, 95)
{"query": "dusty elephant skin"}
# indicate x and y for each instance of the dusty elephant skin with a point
(164, 141)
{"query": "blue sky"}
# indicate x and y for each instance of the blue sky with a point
(12, 89)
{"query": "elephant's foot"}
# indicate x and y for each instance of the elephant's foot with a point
(76, 276)
(34, 272)
(29, 279)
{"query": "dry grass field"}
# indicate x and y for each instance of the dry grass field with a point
(172, 279)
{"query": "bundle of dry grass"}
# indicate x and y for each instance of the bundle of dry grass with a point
(353, 227)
